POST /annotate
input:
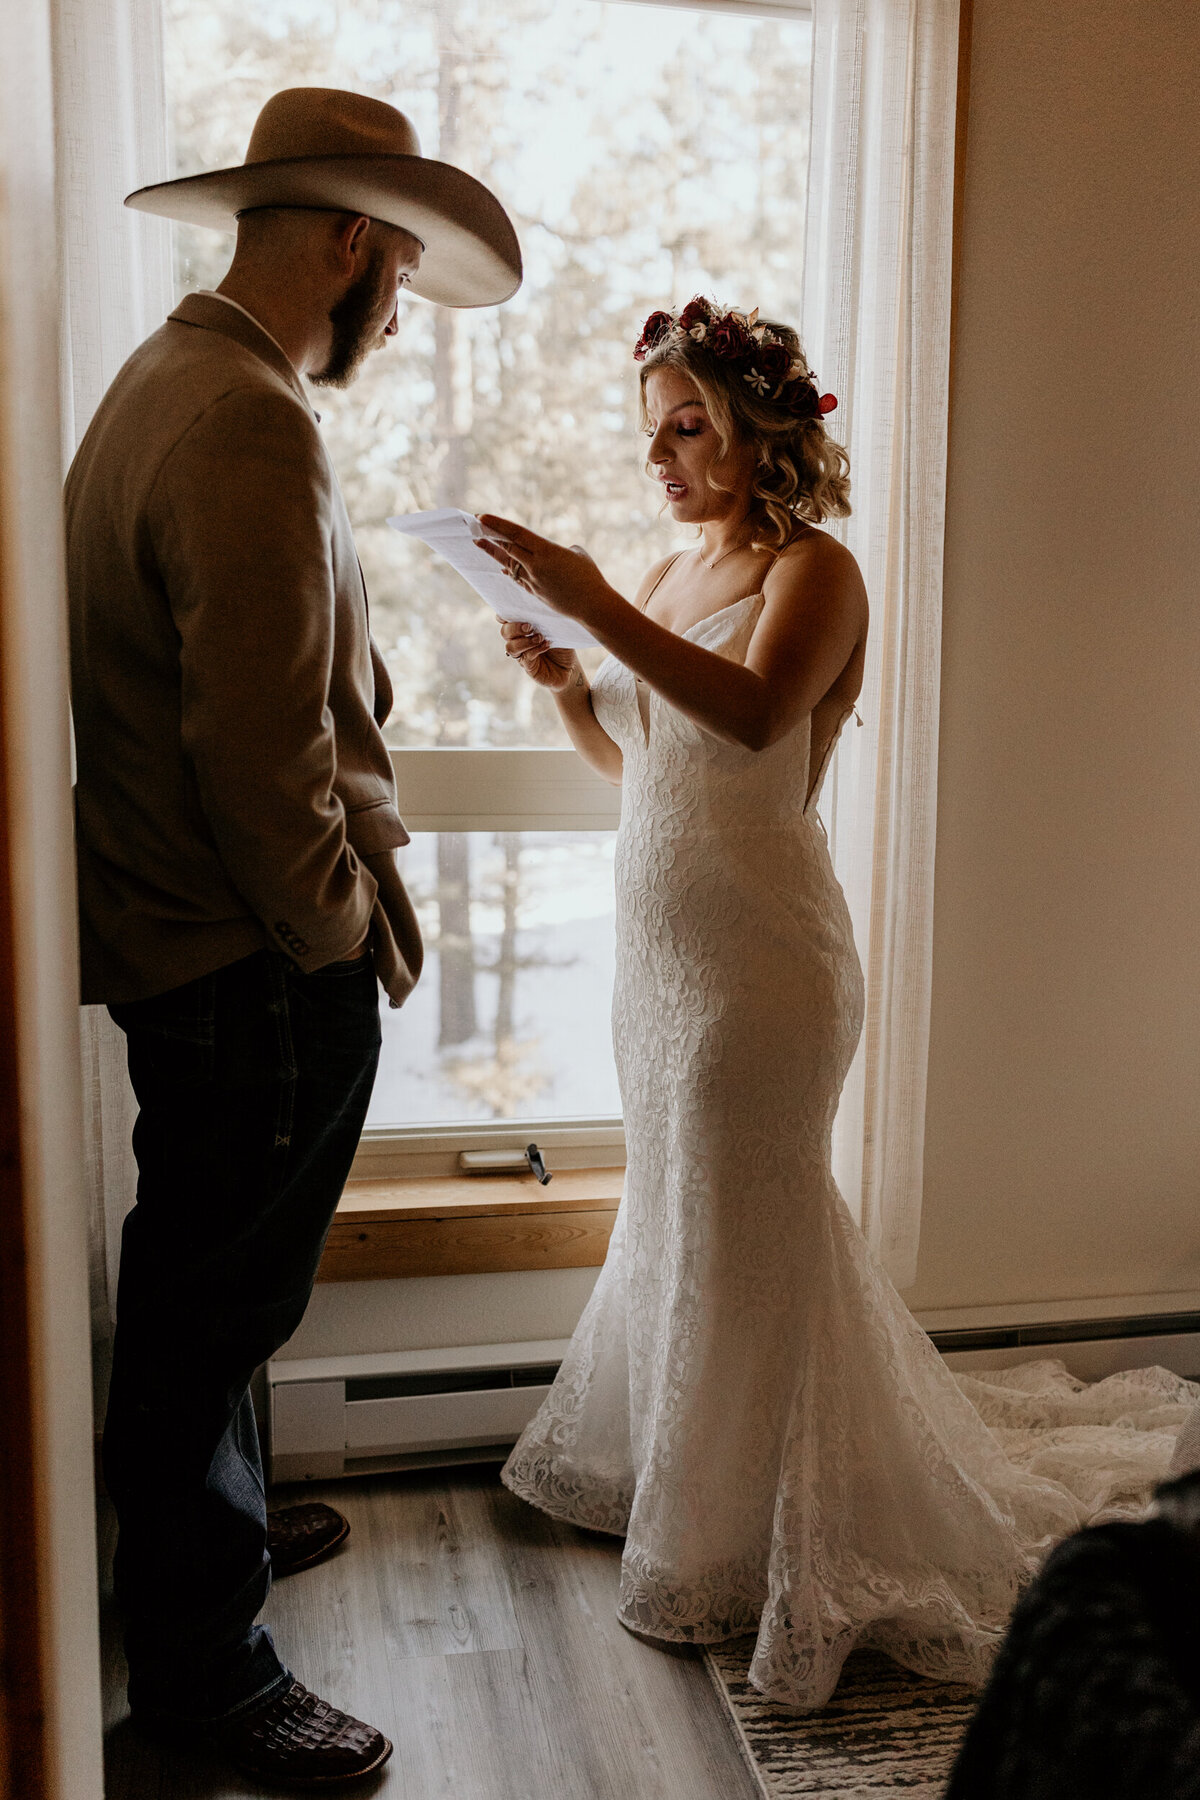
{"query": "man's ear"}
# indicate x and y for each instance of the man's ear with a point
(350, 243)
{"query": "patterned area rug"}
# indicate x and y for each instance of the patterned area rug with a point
(884, 1732)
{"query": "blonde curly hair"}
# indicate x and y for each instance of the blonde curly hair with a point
(802, 474)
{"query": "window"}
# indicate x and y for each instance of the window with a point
(508, 1021)
(646, 152)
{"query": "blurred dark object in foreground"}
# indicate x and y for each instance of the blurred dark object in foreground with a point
(1096, 1691)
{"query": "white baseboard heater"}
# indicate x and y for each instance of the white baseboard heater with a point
(407, 1409)
(420, 1409)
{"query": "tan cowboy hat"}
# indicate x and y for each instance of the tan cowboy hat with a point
(324, 148)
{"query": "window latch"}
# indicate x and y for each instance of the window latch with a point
(536, 1161)
(505, 1162)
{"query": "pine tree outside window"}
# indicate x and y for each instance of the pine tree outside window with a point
(646, 152)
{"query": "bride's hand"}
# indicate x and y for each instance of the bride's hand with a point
(552, 669)
(567, 578)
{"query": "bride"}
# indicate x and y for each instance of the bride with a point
(746, 1400)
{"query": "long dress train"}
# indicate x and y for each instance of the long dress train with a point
(746, 1399)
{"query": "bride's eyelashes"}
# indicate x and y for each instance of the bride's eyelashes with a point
(687, 431)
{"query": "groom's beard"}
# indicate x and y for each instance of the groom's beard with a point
(358, 320)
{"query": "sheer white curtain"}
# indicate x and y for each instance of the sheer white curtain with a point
(110, 131)
(877, 330)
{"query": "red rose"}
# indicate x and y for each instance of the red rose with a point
(729, 339)
(656, 328)
(826, 403)
(800, 398)
(696, 312)
(653, 332)
(774, 361)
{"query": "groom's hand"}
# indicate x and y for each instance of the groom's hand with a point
(567, 579)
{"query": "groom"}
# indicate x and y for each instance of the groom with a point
(238, 895)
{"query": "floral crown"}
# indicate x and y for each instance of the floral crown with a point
(767, 365)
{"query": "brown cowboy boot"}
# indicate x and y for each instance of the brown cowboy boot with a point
(299, 1740)
(299, 1536)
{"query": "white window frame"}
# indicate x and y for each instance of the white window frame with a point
(493, 789)
(490, 789)
(749, 9)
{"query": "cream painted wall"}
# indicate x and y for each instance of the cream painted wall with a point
(350, 1318)
(1063, 1131)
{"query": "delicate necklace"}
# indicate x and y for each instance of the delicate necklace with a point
(719, 559)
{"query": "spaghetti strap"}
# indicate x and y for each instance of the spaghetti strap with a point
(669, 566)
(661, 573)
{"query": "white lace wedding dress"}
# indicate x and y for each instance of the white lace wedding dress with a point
(746, 1399)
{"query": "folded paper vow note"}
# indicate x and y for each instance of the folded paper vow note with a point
(456, 537)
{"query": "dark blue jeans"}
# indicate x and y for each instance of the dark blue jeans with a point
(252, 1085)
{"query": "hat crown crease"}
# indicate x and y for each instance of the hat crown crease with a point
(329, 122)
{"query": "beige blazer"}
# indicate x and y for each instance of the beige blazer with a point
(234, 789)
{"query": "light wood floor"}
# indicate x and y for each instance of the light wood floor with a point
(481, 1637)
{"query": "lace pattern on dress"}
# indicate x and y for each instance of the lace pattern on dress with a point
(746, 1399)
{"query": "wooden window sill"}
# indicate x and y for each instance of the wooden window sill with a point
(471, 1225)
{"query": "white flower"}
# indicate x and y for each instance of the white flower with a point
(758, 382)
(759, 334)
(699, 332)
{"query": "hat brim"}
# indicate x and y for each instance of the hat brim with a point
(471, 257)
